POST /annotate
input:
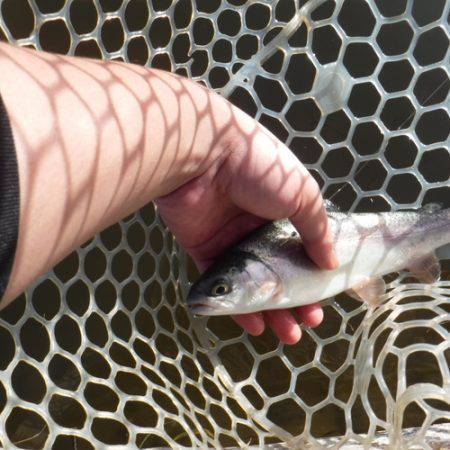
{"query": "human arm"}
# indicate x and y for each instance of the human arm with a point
(97, 140)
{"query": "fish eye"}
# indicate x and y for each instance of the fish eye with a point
(220, 288)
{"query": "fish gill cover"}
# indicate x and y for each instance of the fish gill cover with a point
(101, 350)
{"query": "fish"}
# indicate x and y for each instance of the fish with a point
(270, 269)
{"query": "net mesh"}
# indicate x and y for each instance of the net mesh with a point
(102, 351)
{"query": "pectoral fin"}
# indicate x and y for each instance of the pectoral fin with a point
(368, 291)
(268, 283)
(426, 269)
(269, 288)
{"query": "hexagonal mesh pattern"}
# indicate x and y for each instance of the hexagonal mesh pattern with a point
(101, 350)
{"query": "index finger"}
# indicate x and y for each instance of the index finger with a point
(312, 223)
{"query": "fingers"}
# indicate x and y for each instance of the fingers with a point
(267, 180)
(311, 221)
(252, 323)
(310, 315)
(281, 321)
(284, 325)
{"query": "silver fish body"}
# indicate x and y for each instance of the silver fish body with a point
(270, 269)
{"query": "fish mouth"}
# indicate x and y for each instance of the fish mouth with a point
(204, 309)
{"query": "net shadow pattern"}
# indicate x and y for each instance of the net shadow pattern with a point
(101, 350)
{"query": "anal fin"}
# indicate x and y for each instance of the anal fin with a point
(369, 291)
(426, 269)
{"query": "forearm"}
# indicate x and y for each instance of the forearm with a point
(95, 141)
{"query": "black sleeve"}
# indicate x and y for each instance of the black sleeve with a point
(9, 199)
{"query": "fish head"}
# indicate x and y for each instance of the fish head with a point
(238, 283)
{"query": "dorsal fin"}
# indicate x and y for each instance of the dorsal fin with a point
(431, 208)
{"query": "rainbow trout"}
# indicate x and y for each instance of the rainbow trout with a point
(269, 269)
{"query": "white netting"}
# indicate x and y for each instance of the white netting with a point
(101, 350)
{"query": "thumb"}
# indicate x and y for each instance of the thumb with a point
(266, 179)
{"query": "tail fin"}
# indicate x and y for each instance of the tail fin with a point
(443, 252)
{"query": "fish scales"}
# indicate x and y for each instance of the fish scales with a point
(270, 269)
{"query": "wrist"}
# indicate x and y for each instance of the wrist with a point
(205, 127)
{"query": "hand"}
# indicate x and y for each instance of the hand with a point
(255, 179)
(145, 133)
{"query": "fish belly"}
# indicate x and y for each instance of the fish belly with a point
(357, 265)
(367, 246)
